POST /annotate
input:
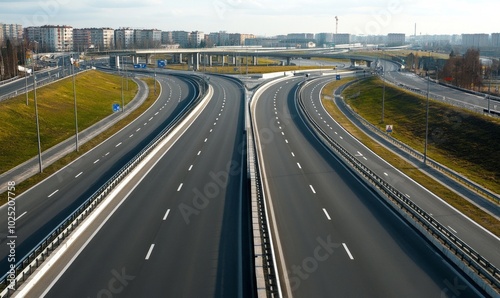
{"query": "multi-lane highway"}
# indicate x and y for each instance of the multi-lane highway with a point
(183, 231)
(40, 209)
(333, 235)
(436, 91)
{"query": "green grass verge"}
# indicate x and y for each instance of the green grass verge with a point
(461, 140)
(23, 186)
(96, 92)
(469, 209)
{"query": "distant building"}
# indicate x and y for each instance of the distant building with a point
(124, 38)
(220, 38)
(396, 39)
(181, 38)
(341, 38)
(477, 41)
(166, 37)
(324, 39)
(300, 36)
(196, 38)
(238, 39)
(147, 38)
(81, 39)
(267, 42)
(13, 32)
(1, 35)
(93, 38)
(495, 40)
(51, 38)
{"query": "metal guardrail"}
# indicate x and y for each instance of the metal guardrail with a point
(28, 264)
(430, 162)
(466, 254)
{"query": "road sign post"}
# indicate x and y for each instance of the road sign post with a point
(389, 128)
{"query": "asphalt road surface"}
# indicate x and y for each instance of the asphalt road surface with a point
(183, 231)
(335, 237)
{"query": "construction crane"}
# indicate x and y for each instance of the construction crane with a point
(336, 25)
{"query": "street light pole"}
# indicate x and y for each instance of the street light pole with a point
(123, 100)
(26, 73)
(76, 111)
(37, 124)
(383, 92)
(427, 119)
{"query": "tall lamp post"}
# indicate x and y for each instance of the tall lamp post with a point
(37, 120)
(383, 92)
(76, 111)
(427, 116)
(26, 72)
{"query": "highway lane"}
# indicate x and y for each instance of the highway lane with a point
(473, 234)
(335, 238)
(436, 91)
(184, 230)
(43, 207)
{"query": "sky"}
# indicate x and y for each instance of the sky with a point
(262, 17)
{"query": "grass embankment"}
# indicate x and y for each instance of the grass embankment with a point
(49, 170)
(95, 91)
(451, 197)
(461, 140)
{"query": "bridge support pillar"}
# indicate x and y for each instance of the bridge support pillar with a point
(254, 60)
(369, 64)
(353, 62)
(194, 61)
(288, 61)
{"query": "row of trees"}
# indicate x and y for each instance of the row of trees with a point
(464, 71)
(12, 54)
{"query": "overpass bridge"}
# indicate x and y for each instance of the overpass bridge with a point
(231, 55)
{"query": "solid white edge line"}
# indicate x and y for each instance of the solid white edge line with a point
(166, 214)
(150, 251)
(327, 215)
(347, 251)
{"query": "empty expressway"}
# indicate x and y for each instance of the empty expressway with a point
(334, 237)
(183, 228)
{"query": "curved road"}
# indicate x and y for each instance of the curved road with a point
(41, 208)
(335, 237)
(183, 231)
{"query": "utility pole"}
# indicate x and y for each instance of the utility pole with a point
(76, 111)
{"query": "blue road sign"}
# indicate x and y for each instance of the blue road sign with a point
(143, 65)
(338, 77)
(137, 66)
(116, 107)
(161, 63)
